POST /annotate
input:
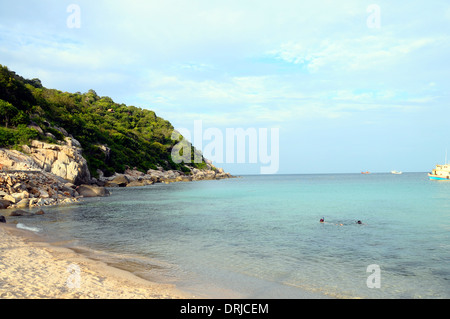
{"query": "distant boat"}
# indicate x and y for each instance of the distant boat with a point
(396, 172)
(367, 172)
(441, 172)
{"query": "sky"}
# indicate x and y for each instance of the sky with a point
(332, 86)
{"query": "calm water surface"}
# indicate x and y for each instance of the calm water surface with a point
(260, 236)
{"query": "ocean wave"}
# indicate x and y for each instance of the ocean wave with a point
(25, 227)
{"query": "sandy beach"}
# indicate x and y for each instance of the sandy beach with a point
(32, 269)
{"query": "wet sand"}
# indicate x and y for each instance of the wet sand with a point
(31, 269)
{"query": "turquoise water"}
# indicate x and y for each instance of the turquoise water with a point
(260, 236)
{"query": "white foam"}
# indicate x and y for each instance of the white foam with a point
(33, 229)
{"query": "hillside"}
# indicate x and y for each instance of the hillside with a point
(113, 136)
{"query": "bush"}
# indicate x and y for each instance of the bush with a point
(59, 136)
(24, 134)
(20, 118)
(6, 137)
(19, 136)
(7, 112)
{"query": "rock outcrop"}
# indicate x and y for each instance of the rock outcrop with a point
(64, 160)
(92, 191)
(134, 178)
(209, 174)
(32, 189)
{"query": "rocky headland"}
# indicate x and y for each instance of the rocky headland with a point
(133, 177)
(44, 174)
(58, 145)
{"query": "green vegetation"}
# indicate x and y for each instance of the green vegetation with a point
(113, 136)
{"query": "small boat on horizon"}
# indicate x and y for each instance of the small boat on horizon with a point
(366, 172)
(441, 172)
(396, 172)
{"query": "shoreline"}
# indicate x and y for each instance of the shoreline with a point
(31, 268)
(23, 189)
(35, 267)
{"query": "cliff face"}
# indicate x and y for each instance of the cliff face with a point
(63, 160)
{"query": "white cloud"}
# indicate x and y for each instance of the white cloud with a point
(364, 53)
(264, 100)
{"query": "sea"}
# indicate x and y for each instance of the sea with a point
(261, 237)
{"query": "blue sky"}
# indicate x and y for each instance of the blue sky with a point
(346, 96)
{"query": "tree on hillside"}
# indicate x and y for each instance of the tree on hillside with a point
(7, 112)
